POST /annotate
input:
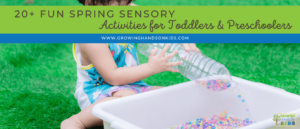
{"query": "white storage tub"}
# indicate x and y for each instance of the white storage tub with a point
(178, 104)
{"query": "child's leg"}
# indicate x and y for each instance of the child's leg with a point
(123, 93)
(85, 118)
(156, 87)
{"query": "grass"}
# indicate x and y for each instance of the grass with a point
(37, 85)
(38, 80)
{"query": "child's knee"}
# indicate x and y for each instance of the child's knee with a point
(65, 124)
(72, 123)
(123, 93)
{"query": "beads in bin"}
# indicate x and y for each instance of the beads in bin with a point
(223, 121)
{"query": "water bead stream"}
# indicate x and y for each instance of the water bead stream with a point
(222, 121)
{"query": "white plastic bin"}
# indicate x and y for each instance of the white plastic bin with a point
(175, 105)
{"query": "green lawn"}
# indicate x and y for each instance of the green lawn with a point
(38, 80)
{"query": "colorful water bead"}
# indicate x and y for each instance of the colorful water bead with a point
(215, 84)
(223, 121)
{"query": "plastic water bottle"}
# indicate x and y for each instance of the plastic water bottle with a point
(204, 71)
(195, 65)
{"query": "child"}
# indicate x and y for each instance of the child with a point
(110, 71)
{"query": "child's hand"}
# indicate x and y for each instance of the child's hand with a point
(190, 46)
(159, 63)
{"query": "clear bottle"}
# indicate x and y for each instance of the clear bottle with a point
(205, 71)
(195, 65)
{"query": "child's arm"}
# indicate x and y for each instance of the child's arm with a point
(100, 56)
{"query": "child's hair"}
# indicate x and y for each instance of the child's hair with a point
(103, 2)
